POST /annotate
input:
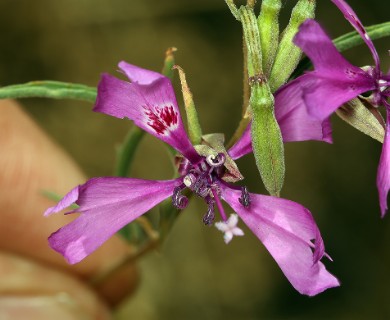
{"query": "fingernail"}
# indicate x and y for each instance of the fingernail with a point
(59, 307)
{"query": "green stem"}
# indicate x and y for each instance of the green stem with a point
(49, 89)
(127, 150)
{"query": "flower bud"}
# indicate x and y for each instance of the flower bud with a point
(268, 22)
(288, 54)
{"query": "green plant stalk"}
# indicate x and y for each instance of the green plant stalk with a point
(126, 152)
(49, 89)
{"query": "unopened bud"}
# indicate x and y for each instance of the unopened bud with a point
(268, 22)
(288, 54)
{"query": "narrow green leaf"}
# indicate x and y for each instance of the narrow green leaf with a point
(353, 39)
(49, 89)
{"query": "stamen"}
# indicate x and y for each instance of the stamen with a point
(178, 200)
(189, 180)
(219, 205)
(209, 217)
(216, 161)
(245, 199)
(183, 165)
(201, 187)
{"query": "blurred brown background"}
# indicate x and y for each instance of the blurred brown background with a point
(196, 276)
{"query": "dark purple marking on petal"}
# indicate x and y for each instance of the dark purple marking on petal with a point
(161, 119)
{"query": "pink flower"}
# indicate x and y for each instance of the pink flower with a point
(107, 204)
(335, 81)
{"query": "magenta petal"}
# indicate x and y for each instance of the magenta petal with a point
(106, 205)
(242, 146)
(293, 118)
(334, 81)
(152, 107)
(383, 176)
(317, 45)
(286, 229)
(137, 74)
(322, 96)
(353, 19)
(66, 201)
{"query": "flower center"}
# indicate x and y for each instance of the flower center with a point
(383, 84)
(204, 180)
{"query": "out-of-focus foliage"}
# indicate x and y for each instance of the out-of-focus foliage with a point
(196, 276)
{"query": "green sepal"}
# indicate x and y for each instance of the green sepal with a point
(288, 54)
(267, 140)
(252, 41)
(268, 23)
(49, 89)
(233, 9)
(213, 144)
(194, 128)
(169, 62)
(364, 118)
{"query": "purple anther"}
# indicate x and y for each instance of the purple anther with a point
(209, 217)
(245, 198)
(216, 161)
(183, 165)
(201, 187)
(178, 200)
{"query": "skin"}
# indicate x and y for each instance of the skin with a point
(35, 281)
